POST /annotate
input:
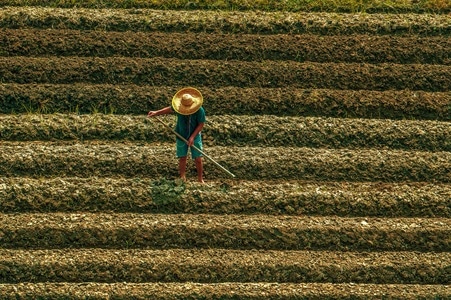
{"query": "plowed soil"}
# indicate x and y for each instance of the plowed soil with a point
(336, 128)
(228, 290)
(292, 101)
(227, 232)
(231, 130)
(266, 74)
(219, 265)
(233, 22)
(244, 47)
(95, 194)
(37, 159)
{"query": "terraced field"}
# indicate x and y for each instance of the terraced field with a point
(336, 125)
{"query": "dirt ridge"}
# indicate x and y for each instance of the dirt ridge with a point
(38, 159)
(156, 231)
(230, 290)
(146, 195)
(245, 47)
(219, 265)
(269, 74)
(393, 6)
(291, 101)
(231, 130)
(225, 22)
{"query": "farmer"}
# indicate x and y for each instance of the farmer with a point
(187, 104)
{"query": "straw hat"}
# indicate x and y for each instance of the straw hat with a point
(187, 101)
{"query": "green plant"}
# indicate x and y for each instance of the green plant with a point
(165, 192)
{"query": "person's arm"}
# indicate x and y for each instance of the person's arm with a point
(163, 111)
(195, 132)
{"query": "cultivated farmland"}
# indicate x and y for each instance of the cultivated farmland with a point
(337, 125)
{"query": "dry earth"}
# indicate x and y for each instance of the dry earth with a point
(337, 127)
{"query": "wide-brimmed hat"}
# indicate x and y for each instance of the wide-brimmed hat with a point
(187, 101)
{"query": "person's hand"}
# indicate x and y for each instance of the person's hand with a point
(191, 141)
(151, 113)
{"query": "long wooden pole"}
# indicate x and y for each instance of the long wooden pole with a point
(183, 139)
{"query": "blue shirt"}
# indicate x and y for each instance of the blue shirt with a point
(186, 124)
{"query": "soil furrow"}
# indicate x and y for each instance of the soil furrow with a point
(79, 159)
(218, 265)
(213, 73)
(226, 22)
(143, 195)
(391, 6)
(229, 290)
(285, 101)
(336, 125)
(38, 159)
(230, 130)
(157, 231)
(245, 47)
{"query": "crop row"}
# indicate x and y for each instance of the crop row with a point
(213, 73)
(205, 231)
(144, 195)
(230, 130)
(245, 47)
(288, 101)
(219, 265)
(393, 6)
(224, 21)
(38, 159)
(225, 291)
